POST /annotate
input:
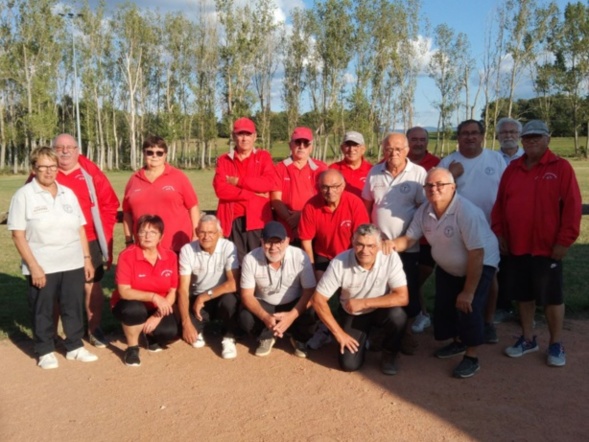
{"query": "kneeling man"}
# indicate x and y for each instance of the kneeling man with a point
(277, 283)
(373, 290)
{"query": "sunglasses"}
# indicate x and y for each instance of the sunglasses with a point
(159, 153)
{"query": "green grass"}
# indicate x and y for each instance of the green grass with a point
(14, 316)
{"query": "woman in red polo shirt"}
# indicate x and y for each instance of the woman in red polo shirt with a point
(147, 277)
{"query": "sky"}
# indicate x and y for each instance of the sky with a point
(471, 17)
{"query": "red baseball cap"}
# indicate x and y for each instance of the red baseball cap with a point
(302, 133)
(244, 125)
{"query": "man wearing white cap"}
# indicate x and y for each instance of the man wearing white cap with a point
(537, 217)
(353, 167)
(297, 177)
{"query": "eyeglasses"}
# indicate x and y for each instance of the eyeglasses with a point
(509, 132)
(395, 150)
(328, 188)
(142, 233)
(430, 186)
(351, 146)
(150, 153)
(205, 234)
(304, 143)
(64, 148)
(46, 168)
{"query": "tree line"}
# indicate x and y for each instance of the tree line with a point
(336, 66)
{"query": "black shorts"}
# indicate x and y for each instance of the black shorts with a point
(97, 261)
(534, 278)
(321, 263)
(425, 256)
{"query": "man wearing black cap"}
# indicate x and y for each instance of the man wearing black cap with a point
(277, 282)
(537, 217)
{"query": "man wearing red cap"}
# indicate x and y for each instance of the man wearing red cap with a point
(243, 181)
(353, 167)
(297, 176)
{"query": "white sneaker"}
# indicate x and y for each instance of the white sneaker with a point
(421, 322)
(321, 337)
(81, 354)
(48, 361)
(200, 341)
(229, 349)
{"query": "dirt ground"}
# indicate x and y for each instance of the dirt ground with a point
(184, 393)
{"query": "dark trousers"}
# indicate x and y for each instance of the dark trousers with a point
(503, 296)
(411, 269)
(392, 322)
(245, 240)
(224, 308)
(136, 313)
(301, 329)
(66, 289)
(451, 322)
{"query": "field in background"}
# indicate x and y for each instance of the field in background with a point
(13, 304)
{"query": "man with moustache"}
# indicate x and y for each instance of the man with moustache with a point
(298, 175)
(353, 167)
(277, 283)
(508, 131)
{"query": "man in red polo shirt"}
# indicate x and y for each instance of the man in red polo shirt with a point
(297, 176)
(353, 167)
(329, 220)
(243, 181)
(418, 138)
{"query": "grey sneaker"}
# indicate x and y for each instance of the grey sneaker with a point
(454, 348)
(467, 368)
(490, 334)
(97, 338)
(387, 363)
(556, 356)
(522, 347)
(300, 349)
(265, 347)
(421, 322)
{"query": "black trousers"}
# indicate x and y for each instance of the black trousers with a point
(66, 289)
(245, 240)
(224, 308)
(136, 313)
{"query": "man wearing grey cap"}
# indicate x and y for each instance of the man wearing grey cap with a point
(277, 282)
(537, 217)
(353, 167)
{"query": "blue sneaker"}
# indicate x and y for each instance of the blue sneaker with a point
(521, 347)
(556, 356)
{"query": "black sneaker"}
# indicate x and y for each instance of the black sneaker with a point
(387, 363)
(454, 348)
(154, 347)
(131, 357)
(467, 368)
(490, 334)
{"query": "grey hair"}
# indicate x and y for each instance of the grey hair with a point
(507, 120)
(210, 219)
(368, 230)
(434, 169)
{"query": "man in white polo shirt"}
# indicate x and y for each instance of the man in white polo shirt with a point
(208, 284)
(277, 282)
(373, 290)
(466, 253)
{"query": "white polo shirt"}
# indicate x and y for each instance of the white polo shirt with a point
(277, 286)
(51, 226)
(208, 270)
(395, 198)
(480, 181)
(358, 283)
(460, 229)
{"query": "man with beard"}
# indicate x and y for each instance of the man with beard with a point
(277, 282)
(508, 131)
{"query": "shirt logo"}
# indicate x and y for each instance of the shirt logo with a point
(346, 223)
(68, 208)
(169, 188)
(40, 209)
(550, 176)
(489, 171)
(405, 188)
(166, 273)
(449, 231)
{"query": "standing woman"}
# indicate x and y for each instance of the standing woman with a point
(163, 190)
(47, 227)
(147, 277)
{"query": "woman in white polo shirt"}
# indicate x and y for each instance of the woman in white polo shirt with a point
(47, 229)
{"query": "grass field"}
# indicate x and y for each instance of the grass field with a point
(14, 319)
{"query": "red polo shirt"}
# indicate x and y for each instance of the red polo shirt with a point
(134, 270)
(355, 178)
(331, 231)
(429, 161)
(298, 185)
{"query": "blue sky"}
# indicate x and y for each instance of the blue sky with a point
(471, 17)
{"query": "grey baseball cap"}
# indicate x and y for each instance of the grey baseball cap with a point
(355, 137)
(535, 127)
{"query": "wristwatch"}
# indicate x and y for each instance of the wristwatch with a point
(210, 293)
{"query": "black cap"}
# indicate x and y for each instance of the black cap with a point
(273, 229)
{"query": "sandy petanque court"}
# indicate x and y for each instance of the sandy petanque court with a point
(193, 394)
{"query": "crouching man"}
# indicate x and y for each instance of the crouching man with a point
(373, 290)
(277, 282)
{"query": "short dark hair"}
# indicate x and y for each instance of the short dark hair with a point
(467, 122)
(415, 128)
(151, 220)
(155, 141)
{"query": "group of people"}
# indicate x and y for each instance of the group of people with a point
(288, 237)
